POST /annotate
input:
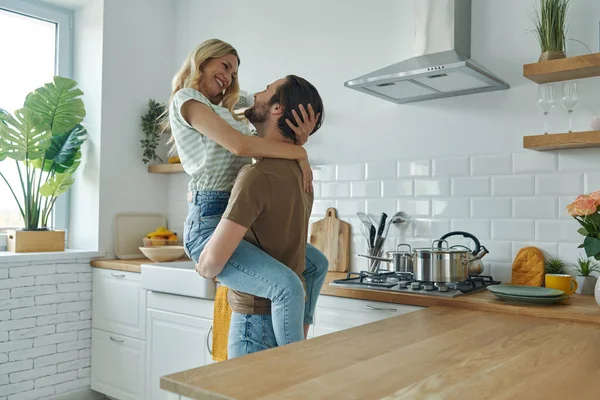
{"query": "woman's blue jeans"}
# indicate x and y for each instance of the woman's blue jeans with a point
(251, 270)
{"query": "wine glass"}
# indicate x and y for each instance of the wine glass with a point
(546, 102)
(570, 100)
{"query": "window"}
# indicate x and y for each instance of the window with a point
(38, 47)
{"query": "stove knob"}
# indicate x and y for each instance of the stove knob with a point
(415, 285)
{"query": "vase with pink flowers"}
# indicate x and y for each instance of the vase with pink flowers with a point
(586, 210)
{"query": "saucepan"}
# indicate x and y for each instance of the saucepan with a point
(400, 261)
(439, 264)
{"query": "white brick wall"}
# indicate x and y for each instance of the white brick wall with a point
(507, 200)
(45, 328)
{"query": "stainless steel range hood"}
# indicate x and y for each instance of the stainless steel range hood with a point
(442, 66)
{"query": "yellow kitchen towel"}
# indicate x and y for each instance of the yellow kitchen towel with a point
(222, 319)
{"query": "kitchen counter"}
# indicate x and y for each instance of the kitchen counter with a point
(438, 352)
(576, 309)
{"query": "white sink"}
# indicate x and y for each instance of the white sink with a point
(178, 278)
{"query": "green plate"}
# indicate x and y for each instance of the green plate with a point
(530, 300)
(525, 291)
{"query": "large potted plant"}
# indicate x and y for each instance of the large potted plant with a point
(550, 28)
(44, 140)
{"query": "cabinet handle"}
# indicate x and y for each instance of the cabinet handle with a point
(118, 275)
(117, 340)
(368, 307)
(208, 341)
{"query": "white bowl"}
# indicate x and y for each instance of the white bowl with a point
(163, 253)
(596, 123)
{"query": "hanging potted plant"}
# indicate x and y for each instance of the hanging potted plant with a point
(585, 281)
(550, 28)
(44, 140)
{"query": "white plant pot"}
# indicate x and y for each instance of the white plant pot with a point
(585, 284)
(597, 292)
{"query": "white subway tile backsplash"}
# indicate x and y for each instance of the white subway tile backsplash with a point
(350, 207)
(317, 190)
(501, 271)
(336, 190)
(415, 208)
(491, 207)
(592, 181)
(534, 162)
(564, 231)
(563, 202)
(414, 168)
(430, 228)
(499, 251)
(397, 188)
(320, 206)
(382, 170)
(351, 172)
(432, 187)
(481, 228)
(535, 207)
(559, 184)
(451, 167)
(450, 208)
(578, 160)
(325, 173)
(511, 229)
(471, 187)
(500, 164)
(569, 253)
(513, 185)
(366, 189)
(376, 207)
(549, 249)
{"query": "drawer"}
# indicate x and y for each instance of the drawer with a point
(119, 303)
(118, 365)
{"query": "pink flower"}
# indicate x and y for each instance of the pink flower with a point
(582, 206)
(596, 197)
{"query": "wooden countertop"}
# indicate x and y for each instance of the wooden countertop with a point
(134, 265)
(438, 352)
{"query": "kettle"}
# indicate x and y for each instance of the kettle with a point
(475, 263)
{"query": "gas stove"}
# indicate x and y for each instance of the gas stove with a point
(404, 283)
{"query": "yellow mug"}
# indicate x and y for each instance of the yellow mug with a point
(563, 282)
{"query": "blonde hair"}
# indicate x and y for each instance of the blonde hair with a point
(190, 73)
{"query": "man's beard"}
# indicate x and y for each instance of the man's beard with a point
(257, 114)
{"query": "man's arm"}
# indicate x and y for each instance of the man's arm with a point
(220, 248)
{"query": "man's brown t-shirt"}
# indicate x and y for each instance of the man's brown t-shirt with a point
(268, 198)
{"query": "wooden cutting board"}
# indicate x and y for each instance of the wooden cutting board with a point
(332, 237)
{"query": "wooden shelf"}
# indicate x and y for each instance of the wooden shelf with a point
(165, 169)
(562, 141)
(564, 69)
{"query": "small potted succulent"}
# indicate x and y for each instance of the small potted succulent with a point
(555, 266)
(585, 281)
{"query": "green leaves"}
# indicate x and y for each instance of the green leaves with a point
(58, 104)
(57, 185)
(23, 136)
(592, 246)
(62, 153)
(582, 231)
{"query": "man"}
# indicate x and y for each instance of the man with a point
(268, 208)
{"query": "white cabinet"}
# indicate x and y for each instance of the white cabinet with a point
(334, 314)
(118, 365)
(178, 338)
(119, 303)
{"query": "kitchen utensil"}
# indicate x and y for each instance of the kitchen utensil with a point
(400, 261)
(529, 300)
(365, 219)
(528, 267)
(526, 291)
(563, 282)
(163, 253)
(380, 239)
(396, 218)
(372, 233)
(130, 228)
(365, 233)
(437, 264)
(332, 237)
(375, 259)
(475, 265)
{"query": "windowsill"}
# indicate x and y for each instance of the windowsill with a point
(8, 257)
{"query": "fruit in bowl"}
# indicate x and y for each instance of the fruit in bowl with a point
(163, 253)
(161, 237)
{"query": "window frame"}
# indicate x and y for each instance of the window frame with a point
(63, 19)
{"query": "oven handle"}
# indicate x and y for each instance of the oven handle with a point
(368, 307)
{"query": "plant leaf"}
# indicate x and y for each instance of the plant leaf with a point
(582, 231)
(581, 246)
(64, 148)
(592, 246)
(58, 103)
(24, 136)
(57, 185)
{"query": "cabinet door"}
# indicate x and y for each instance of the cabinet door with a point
(119, 303)
(174, 342)
(118, 365)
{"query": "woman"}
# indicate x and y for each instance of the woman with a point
(213, 144)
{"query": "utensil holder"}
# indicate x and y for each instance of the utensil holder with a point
(373, 265)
